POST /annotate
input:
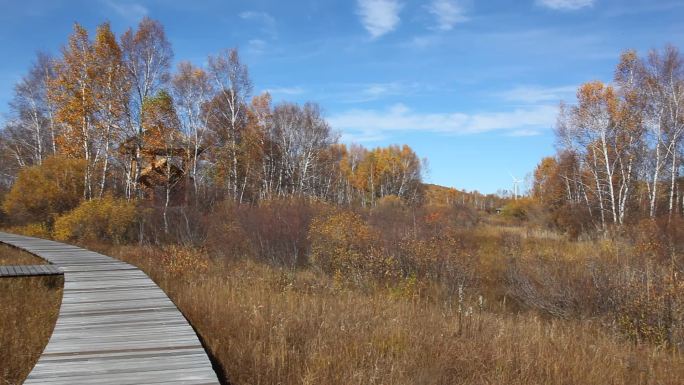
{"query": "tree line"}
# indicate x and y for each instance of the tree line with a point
(620, 146)
(139, 129)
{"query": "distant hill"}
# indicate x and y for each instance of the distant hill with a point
(440, 195)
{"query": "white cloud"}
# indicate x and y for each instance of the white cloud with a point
(128, 10)
(375, 91)
(566, 5)
(268, 22)
(366, 92)
(535, 94)
(285, 90)
(524, 132)
(423, 41)
(256, 46)
(448, 13)
(379, 16)
(376, 124)
(258, 16)
(361, 137)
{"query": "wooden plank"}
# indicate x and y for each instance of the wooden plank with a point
(115, 325)
(29, 270)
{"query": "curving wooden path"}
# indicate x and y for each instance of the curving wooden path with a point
(115, 325)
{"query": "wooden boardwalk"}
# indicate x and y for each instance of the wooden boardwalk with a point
(115, 325)
(29, 270)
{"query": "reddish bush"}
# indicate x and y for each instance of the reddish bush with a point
(275, 231)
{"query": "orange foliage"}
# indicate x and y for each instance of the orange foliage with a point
(182, 261)
(344, 245)
(42, 192)
(105, 219)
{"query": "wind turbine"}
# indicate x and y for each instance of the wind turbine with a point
(516, 182)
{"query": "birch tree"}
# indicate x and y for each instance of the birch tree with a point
(73, 93)
(192, 90)
(230, 78)
(147, 58)
(32, 120)
(111, 94)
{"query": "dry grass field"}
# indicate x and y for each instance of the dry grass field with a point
(28, 312)
(270, 325)
(380, 298)
(12, 256)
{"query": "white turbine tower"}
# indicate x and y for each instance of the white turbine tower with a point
(516, 182)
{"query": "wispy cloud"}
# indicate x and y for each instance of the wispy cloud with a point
(379, 16)
(289, 91)
(377, 124)
(566, 5)
(128, 10)
(379, 89)
(267, 22)
(375, 91)
(447, 13)
(423, 41)
(366, 92)
(256, 46)
(535, 94)
(361, 136)
(524, 132)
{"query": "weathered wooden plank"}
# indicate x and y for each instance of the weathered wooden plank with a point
(115, 325)
(29, 270)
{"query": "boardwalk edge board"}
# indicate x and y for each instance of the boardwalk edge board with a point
(9, 271)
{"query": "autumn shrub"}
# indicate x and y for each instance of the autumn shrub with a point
(274, 231)
(524, 209)
(440, 259)
(107, 219)
(463, 215)
(184, 262)
(652, 311)
(438, 219)
(38, 230)
(45, 191)
(644, 297)
(187, 225)
(572, 219)
(226, 238)
(553, 287)
(392, 220)
(659, 238)
(4, 218)
(343, 244)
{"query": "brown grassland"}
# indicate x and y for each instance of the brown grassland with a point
(265, 324)
(291, 292)
(28, 312)
(12, 256)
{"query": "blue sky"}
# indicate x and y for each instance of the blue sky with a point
(473, 86)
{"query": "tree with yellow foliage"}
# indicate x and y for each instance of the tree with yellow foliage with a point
(111, 96)
(73, 91)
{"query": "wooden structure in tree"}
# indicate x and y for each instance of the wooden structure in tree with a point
(115, 325)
